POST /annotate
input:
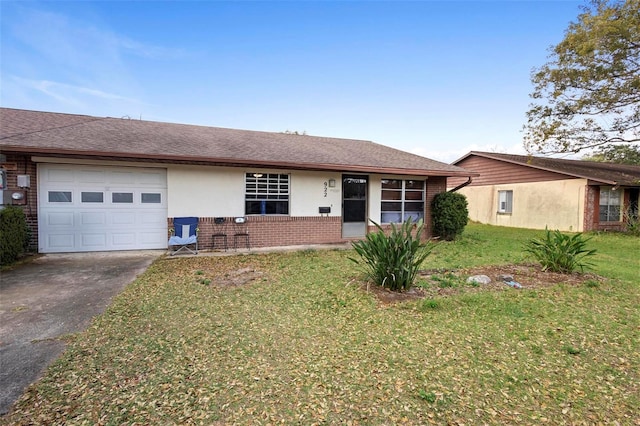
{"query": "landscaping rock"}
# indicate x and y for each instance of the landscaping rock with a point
(479, 279)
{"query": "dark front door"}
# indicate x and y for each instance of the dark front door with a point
(354, 206)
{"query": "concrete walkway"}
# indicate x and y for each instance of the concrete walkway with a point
(49, 297)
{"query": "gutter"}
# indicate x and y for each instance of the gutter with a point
(462, 185)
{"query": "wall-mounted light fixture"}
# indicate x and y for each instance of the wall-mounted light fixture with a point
(257, 175)
(332, 183)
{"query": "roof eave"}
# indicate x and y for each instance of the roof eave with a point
(534, 166)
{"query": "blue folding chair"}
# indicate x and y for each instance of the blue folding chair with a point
(184, 235)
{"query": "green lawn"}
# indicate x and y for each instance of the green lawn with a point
(303, 344)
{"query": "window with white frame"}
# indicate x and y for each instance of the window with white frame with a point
(401, 200)
(266, 194)
(505, 201)
(610, 203)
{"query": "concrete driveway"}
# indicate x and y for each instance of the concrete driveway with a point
(52, 296)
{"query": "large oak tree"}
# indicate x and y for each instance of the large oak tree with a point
(588, 94)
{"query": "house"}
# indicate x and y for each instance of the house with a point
(94, 183)
(535, 192)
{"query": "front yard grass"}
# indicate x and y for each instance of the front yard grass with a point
(303, 343)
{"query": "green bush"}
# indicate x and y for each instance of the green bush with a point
(558, 252)
(449, 214)
(631, 222)
(393, 260)
(14, 234)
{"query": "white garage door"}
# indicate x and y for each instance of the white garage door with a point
(100, 208)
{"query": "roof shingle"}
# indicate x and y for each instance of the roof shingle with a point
(67, 134)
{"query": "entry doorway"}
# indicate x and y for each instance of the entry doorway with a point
(354, 206)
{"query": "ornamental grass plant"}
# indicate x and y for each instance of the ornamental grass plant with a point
(558, 252)
(393, 260)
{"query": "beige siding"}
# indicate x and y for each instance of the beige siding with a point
(555, 204)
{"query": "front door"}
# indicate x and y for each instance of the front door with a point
(354, 206)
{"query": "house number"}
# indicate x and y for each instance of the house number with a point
(325, 189)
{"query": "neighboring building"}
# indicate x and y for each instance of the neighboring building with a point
(93, 184)
(535, 192)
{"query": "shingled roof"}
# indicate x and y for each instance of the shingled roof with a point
(603, 173)
(86, 136)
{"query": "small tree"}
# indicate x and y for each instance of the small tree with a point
(449, 214)
(588, 94)
(393, 260)
(14, 234)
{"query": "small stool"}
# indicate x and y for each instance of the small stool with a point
(240, 231)
(220, 223)
(224, 241)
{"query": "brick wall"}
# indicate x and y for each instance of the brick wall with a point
(591, 208)
(435, 186)
(21, 164)
(273, 231)
(592, 211)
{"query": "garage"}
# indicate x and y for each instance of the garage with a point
(101, 208)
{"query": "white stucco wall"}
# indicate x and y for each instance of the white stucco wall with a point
(310, 190)
(374, 194)
(554, 204)
(206, 191)
(210, 191)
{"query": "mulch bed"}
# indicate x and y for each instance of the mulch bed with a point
(529, 276)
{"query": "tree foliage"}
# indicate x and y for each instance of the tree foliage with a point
(588, 94)
(619, 154)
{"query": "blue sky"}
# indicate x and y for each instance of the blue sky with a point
(436, 78)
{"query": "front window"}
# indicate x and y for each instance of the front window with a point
(401, 200)
(266, 194)
(610, 202)
(505, 202)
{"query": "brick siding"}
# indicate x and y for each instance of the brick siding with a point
(25, 166)
(592, 211)
(273, 231)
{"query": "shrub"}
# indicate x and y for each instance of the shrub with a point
(558, 252)
(14, 234)
(631, 222)
(449, 214)
(393, 260)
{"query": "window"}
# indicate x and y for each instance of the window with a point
(505, 201)
(92, 197)
(401, 200)
(610, 202)
(266, 193)
(122, 197)
(59, 196)
(149, 197)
